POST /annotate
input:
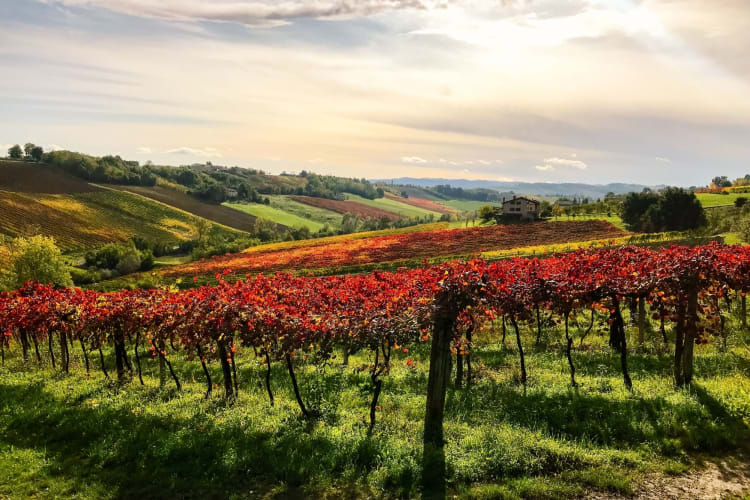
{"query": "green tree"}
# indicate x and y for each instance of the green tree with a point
(635, 206)
(15, 152)
(487, 213)
(740, 202)
(37, 152)
(35, 258)
(28, 148)
(721, 181)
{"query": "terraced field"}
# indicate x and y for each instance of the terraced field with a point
(216, 213)
(84, 220)
(394, 206)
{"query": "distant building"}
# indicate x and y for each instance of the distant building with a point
(521, 207)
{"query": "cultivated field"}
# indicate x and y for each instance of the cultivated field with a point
(25, 177)
(399, 247)
(216, 213)
(347, 207)
(422, 203)
(396, 206)
(277, 215)
(84, 220)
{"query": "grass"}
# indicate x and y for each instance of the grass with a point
(275, 214)
(613, 219)
(394, 206)
(719, 200)
(306, 211)
(82, 437)
(465, 205)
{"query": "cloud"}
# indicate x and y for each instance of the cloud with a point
(412, 159)
(254, 12)
(662, 159)
(53, 147)
(564, 162)
(184, 150)
(143, 149)
(316, 160)
(545, 168)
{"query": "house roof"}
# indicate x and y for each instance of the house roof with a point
(522, 198)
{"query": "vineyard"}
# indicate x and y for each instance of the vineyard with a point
(424, 204)
(347, 207)
(183, 201)
(82, 220)
(682, 299)
(400, 247)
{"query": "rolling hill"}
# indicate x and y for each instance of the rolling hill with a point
(80, 215)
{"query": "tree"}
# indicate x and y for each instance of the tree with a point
(28, 148)
(635, 206)
(740, 202)
(36, 258)
(721, 181)
(674, 209)
(487, 213)
(37, 152)
(15, 152)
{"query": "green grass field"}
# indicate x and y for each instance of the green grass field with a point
(613, 219)
(275, 214)
(465, 205)
(394, 206)
(719, 200)
(83, 437)
(306, 211)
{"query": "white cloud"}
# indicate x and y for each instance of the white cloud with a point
(412, 159)
(564, 162)
(545, 168)
(143, 149)
(662, 159)
(254, 12)
(484, 162)
(184, 150)
(53, 147)
(466, 171)
(499, 162)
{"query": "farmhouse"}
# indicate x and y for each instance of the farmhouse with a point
(521, 207)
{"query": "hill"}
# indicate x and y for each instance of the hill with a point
(24, 177)
(80, 215)
(217, 213)
(534, 188)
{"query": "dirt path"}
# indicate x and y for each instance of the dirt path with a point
(716, 478)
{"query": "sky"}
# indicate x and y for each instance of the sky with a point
(596, 91)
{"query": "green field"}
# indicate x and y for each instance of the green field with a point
(719, 200)
(613, 219)
(465, 205)
(84, 437)
(394, 206)
(306, 211)
(277, 215)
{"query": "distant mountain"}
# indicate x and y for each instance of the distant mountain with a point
(532, 188)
